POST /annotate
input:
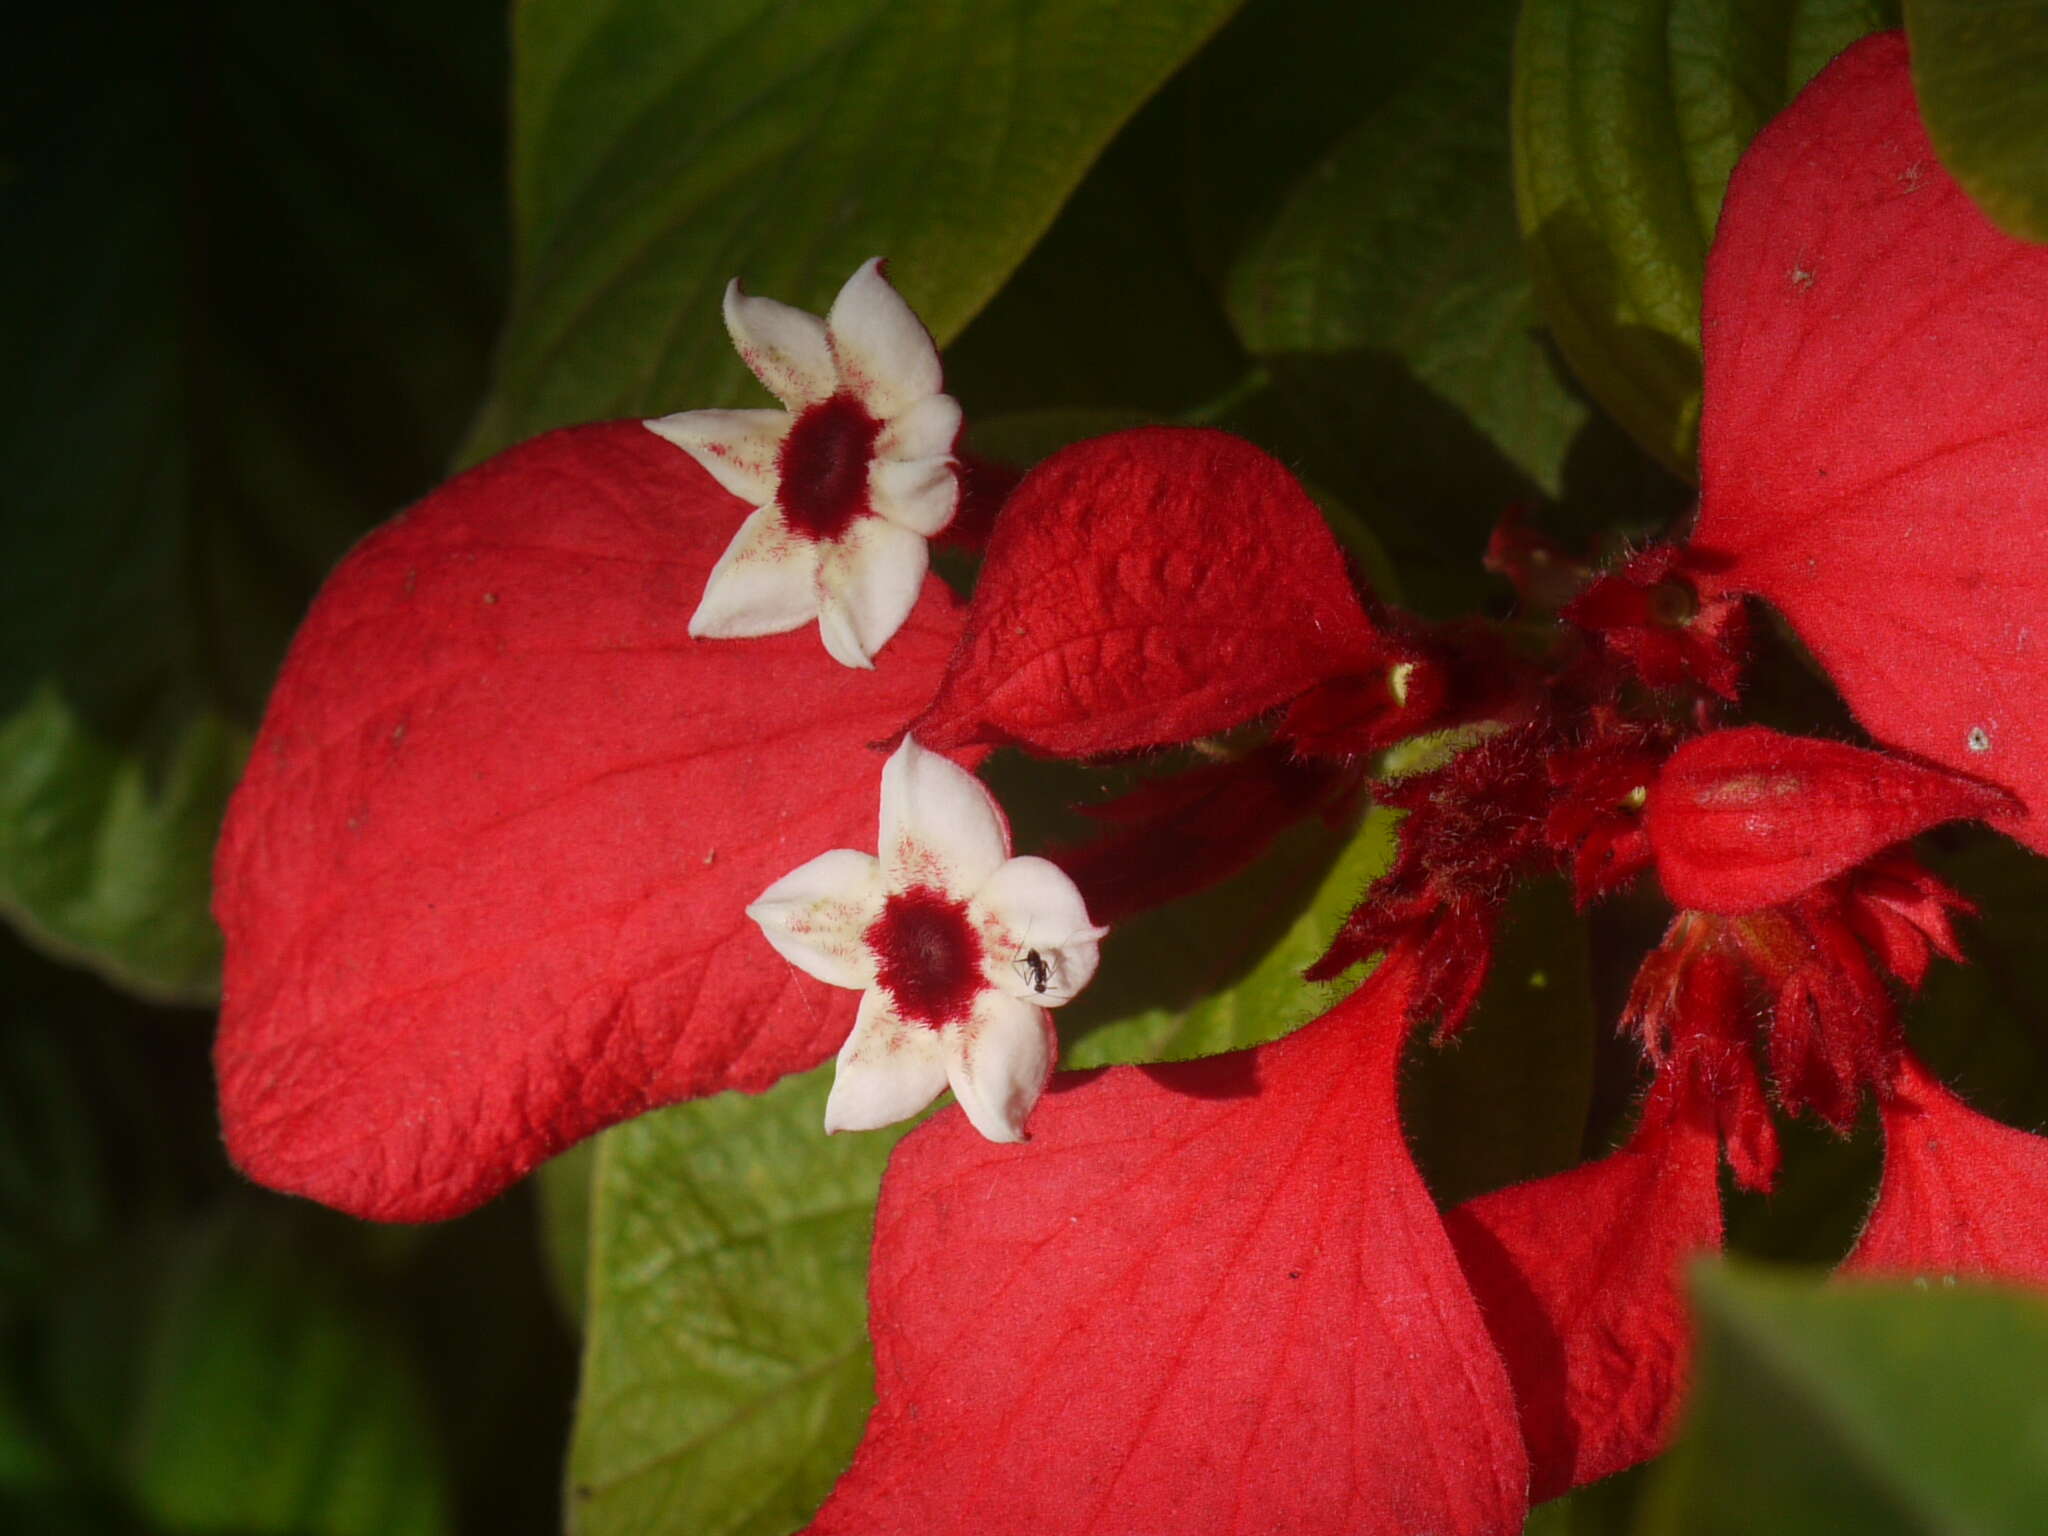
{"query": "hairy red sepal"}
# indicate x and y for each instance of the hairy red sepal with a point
(1962, 1194)
(1649, 613)
(1874, 437)
(1745, 819)
(1212, 1296)
(1171, 837)
(483, 882)
(1146, 588)
(1580, 1278)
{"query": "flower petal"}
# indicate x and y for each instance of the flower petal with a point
(1212, 1296)
(766, 582)
(940, 826)
(884, 353)
(1147, 588)
(1874, 433)
(868, 582)
(785, 347)
(815, 916)
(1580, 1277)
(888, 1070)
(919, 494)
(737, 448)
(1030, 905)
(1962, 1194)
(482, 883)
(998, 1062)
(927, 430)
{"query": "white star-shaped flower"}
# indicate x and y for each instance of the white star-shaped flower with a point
(958, 950)
(846, 484)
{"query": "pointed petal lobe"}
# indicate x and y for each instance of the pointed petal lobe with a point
(1030, 905)
(484, 881)
(766, 583)
(868, 583)
(940, 826)
(997, 1063)
(888, 1070)
(785, 347)
(884, 353)
(1212, 1296)
(737, 448)
(815, 916)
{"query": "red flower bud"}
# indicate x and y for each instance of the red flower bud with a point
(1746, 819)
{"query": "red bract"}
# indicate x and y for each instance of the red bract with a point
(1874, 437)
(483, 885)
(1146, 588)
(1962, 1195)
(1207, 1297)
(1745, 819)
(1580, 1277)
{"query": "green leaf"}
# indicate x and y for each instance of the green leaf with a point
(1201, 975)
(1869, 1408)
(661, 150)
(726, 1372)
(1980, 69)
(1391, 298)
(251, 249)
(1628, 116)
(225, 1382)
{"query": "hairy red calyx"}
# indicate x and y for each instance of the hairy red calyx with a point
(1648, 613)
(824, 468)
(927, 955)
(1808, 978)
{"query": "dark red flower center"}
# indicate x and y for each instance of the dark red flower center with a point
(927, 956)
(824, 468)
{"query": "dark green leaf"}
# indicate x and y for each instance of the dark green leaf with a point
(1506, 1098)
(224, 1382)
(661, 150)
(1869, 1408)
(250, 250)
(1628, 117)
(563, 1189)
(726, 1370)
(1980, 68)
(1392, 300)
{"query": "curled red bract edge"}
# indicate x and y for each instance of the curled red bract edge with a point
(1962, 1195)
(1147, 588)
(1874, 430)
(1581, 1279)
(483, 881)
(1212, 1296)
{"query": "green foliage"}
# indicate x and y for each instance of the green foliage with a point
(658, 150)
(726, 1372)
(242, 1391)
(259, 290)
(1628, 117)
(1980, 69)
(1859, 1407)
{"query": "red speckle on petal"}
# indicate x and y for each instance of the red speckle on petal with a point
(927, 956)
(824, 468)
